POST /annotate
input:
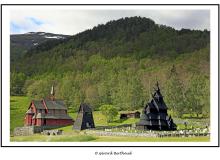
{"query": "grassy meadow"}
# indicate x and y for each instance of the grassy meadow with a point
(93, 138)
(19, 106)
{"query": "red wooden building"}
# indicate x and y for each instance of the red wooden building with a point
(48, 111)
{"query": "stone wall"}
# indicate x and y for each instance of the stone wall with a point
(26, 130)
(121, 134)
(30, 130)
(145, 134)
(189, 122)
(110, 127)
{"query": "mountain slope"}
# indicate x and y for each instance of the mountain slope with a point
(22, 42)
(118, 64)
(129, 37)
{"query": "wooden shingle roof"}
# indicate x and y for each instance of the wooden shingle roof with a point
(163, 123)
(56, 104)
(151, 106)
(143, 122)
(159, 105)
(38, 105)
(30, 111)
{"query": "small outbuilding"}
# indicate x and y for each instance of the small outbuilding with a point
(84, 119)
(126, 115)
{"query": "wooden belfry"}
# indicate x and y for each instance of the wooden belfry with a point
(154, 114)
(84, 119)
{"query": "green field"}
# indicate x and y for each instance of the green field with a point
(19, 105)
(73, 137)
(18, 108)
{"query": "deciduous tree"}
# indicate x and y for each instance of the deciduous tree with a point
(109, 111)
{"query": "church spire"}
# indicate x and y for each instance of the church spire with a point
(158, 89)
(52, 93)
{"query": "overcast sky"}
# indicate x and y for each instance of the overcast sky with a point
(73, 21)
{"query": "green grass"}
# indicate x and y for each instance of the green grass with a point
(99, 119)
(190, 117)
(18, 108)
(152, 139)
(92, 138)
(59, 138)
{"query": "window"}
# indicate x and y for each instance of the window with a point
(43, 110)
(50, 111)
(57, 111)
(38, 111)
(63, 111)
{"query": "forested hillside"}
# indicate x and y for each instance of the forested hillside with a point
(118, 63)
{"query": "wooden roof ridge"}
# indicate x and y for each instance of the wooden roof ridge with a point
(129, 112)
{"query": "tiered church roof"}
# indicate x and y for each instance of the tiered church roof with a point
(154, 114)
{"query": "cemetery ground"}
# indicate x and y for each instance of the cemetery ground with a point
(19, 105)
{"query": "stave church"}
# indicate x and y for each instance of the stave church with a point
(154, 114)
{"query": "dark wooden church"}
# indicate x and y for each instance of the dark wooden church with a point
(154, 114)
(84, 119)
